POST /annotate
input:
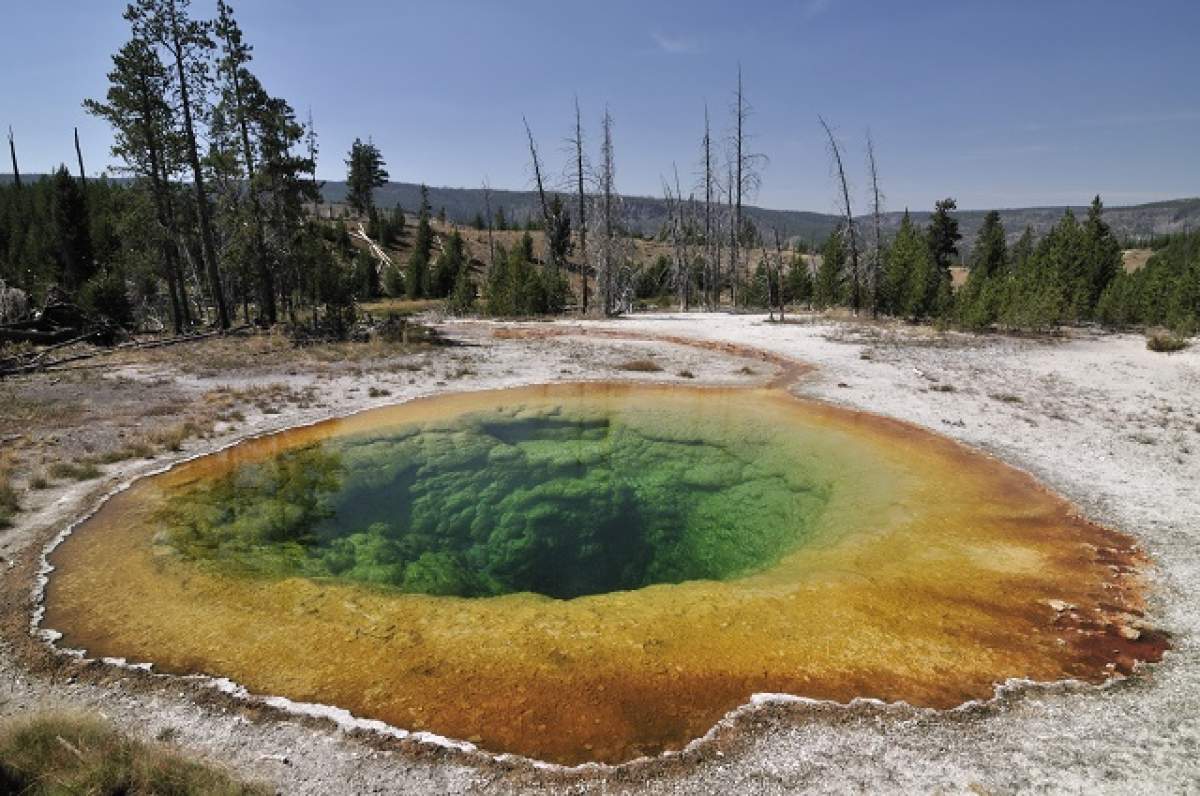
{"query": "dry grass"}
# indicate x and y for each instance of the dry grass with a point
(9, 504)
(640, 366)
(21, 413)
(1165, 342)
(75, 471)
(386, 306)
(64, 754)
(134, 449)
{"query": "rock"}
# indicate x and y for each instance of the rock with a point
(1130, 633)
(1059, 605)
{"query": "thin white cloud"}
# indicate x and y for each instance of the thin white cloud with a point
(675, 45)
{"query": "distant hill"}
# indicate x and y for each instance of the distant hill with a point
(641, 214)
(1130, 221)
(646, 215)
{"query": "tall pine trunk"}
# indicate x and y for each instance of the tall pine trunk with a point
(207, 238)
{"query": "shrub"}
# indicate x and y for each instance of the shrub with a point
(1165, 342)
(9, 505)
(640, 366)
(105, 294)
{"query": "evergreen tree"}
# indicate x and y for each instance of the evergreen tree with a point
(798, 287)
(903, 261)
(943, 235)
(73, 244)
(145, 140)
(989, 256)
(462, 297)
(416, 275)
(1103, 254)
(978, 304)
(830, 287)
(450, 263)
(187, 42)
(932, 286)
(558, 237)
(365, 172)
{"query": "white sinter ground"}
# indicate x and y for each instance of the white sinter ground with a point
(1100, 419)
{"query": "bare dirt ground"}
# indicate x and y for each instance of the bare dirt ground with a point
(1110, 425)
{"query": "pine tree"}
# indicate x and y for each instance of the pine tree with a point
(144, 139)
(1103, 253)
(365, 173)
(243, 95)
(978, 302)
(449, 264)
(943, 237)
(187, 42)
(830, 287)
(73, 244)
(798, 287)
(416, 275)
(989, 255)
(906, 270)
(559, 235)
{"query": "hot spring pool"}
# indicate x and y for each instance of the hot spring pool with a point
(596, 572)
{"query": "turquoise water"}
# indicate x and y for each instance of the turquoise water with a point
(562, 501)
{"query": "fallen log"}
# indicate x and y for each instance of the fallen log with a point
(38, 362)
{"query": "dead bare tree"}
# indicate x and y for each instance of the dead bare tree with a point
(79, 155)
(712, 290)
(778, 274)
(732, 224)
(12, 151)
(748, 172)
(877, 219)
(487, 208)
(541, 189)
(675, 226)
(855, 275)
(576, 142)
(683, 254)
(611, 282)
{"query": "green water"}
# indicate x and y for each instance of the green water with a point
(559, 501)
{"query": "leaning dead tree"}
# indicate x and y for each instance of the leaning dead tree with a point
(12, 151)
(877, 219)
(79, 155)
(547, 221)
(855, 275)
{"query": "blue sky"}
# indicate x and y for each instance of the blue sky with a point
(995, 103)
